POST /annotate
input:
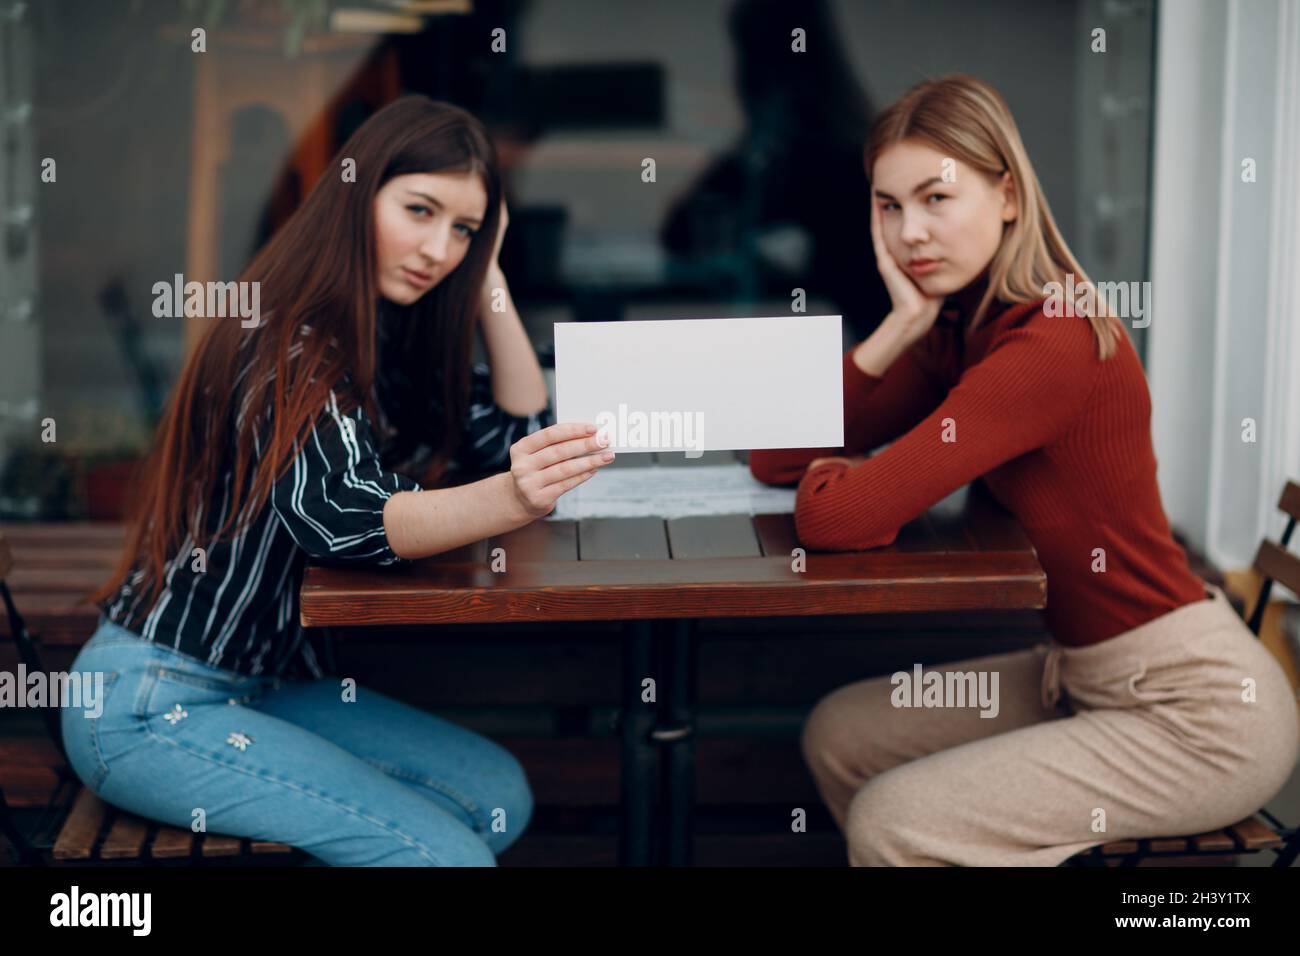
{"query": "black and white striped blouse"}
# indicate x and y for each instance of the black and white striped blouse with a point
(241, 611)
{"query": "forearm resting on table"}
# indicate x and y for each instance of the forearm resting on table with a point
(422, 523)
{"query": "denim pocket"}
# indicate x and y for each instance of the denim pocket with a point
(164, 687)
(220, 685)
(144, 689)
(99, 770)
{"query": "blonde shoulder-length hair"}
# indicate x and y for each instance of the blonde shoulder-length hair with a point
(965, 118)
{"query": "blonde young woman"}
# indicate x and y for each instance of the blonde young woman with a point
(1153, 710)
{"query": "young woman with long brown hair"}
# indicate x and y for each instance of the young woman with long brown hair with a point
(1153, 710)
(295, 439)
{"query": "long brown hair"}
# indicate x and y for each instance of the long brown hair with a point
(966, 118)
(319, 298)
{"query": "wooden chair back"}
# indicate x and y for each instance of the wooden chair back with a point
(1274, 561)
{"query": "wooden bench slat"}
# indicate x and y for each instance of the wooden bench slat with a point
(62, 623)
(1248, 835)
(1216, 841)
(76, 840)
(42, 534)
(6, 558)
(1253, 834)
(101, 559)
(27, 580)
(266, 846)
(128, 834)
(49, 604)
(125, 840)
(171, 843)
(217, 845)
(1118, 847)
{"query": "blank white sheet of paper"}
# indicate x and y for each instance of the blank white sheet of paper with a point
(704, 384)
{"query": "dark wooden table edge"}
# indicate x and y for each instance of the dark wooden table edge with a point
(334, 607)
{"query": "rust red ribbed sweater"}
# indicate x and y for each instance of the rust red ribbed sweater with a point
(1060, 437)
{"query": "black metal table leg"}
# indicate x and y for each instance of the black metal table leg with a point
(638, 755)
(329, 651)
(679, 724)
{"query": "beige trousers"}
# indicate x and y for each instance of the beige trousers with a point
(1184, 724)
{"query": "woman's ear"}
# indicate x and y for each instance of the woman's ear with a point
(1008, 189)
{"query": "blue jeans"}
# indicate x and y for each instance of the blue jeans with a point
(367, 782)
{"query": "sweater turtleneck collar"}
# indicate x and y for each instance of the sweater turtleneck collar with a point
(959, 307)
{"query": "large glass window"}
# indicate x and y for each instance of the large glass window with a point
(133, 153)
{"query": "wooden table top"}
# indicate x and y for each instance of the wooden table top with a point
(965, 554)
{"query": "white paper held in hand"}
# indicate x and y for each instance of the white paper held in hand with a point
(699, 385)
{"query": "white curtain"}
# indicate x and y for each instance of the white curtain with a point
(1224, 346)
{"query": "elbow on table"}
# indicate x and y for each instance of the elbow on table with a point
(340, 548)
(819, 533)
(768, 469)
(378, 554)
